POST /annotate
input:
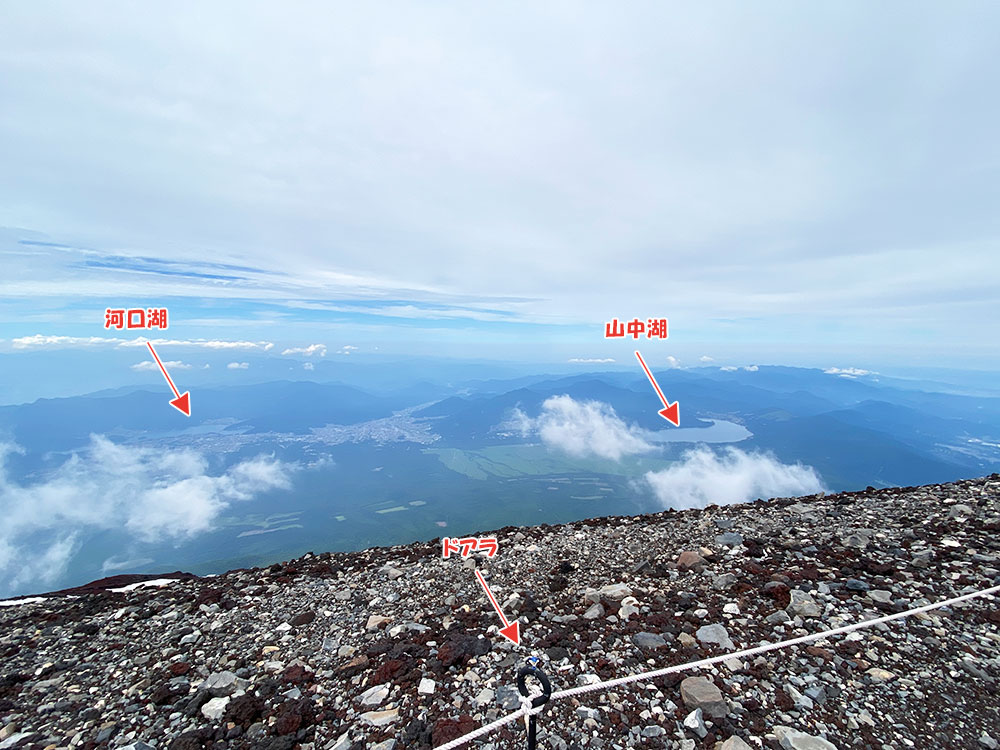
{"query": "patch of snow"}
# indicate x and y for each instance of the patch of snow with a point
(140, 584)
(17, 602)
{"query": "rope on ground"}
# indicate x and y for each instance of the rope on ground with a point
(653, 674)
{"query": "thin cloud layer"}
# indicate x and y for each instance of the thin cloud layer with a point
(734, 476)
(40, 341)
(154, 496)
(307, 351)
(583, 428)
(151, 366)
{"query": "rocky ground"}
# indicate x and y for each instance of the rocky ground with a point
(397, 648)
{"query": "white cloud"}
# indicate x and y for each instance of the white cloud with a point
(152, 495)
(590, 360)
(346, 349)
(847, 372)
(703, 478)
(308, 366)
(202, 343)
(582, 428)
(745, 368)
(151, 366)
(119, 562)
(58, 342)
(40, 341)
(307, 351)
(411, 312)
(706, 358)
(238, 366)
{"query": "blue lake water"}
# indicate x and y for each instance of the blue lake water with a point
(721, 431)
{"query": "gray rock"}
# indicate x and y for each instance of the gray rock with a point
(729, 539)
(776, 618)
(426, 686)
(700, 692)
(615, 591)
(138, 745)
(878, 595)
(106, 732)
(880, 675)
(653, 730)
(14, 739)
(803, 605)
(715, 634)
(221, 683)
(648, 640)
(595, 611)
(858, 541)
(724, 581)
(792, 739)
(853, 584)
(508, 698)
(343, 742)
(696, 723)
(375, 695)
(215, 708)
(380, 718)
(735, 743)
(817, 693)
(988, 742)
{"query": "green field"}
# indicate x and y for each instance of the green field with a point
(506, 461)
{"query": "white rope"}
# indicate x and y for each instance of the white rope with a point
(525, 710)
(651, 675)
(486, 729)
(769, 646)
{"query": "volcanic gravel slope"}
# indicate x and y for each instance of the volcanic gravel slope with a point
(397, 648)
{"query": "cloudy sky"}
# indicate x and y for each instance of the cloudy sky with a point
(817, 184)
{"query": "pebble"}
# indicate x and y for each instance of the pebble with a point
(715, 634)
(648, 640)
(792, 739)
(380, 718)
(215, 708)
(802, 605)
(700, 692)
(696, 723)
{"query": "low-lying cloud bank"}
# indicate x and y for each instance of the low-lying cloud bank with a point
(704, 477)
(152, 495)
(583, 428)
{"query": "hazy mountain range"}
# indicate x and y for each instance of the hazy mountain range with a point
(118, 480)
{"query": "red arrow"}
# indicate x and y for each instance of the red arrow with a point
(510, 630)
(670, 413)
(182, 402)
